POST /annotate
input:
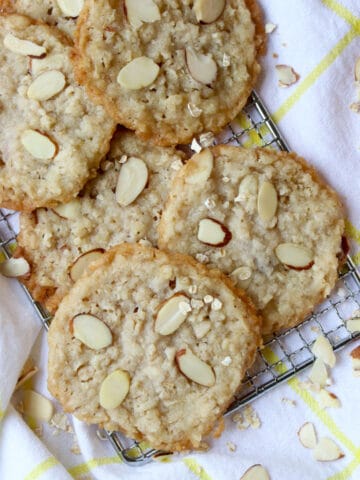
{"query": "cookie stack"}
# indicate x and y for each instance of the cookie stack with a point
(163, 272)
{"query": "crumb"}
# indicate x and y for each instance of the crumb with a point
(231, 446)
(275, 55)
(289, 401)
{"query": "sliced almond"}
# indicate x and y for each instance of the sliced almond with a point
(114, 389)
(201, 329)
(295, 256)
(194, 368)
(318, 373)
(202, 68)
(328, 399)
(286, 75)
(46, 85)
(82, 263)
(38, 145)
(307, 435)
(71, 8)
(171, 314)
(50, 62)
(36, 406)
(256, 472)
(201, 168)
(14, 267)
(141, 11)
(357, 70)
(327, 450)
(353, 325)
(91, 331)
(322, 349)
(70, 210)
(270, 27)
(139, 73)
(208, 11)
(132, 180)
(23, 47)
(267, 201)
(214, 233)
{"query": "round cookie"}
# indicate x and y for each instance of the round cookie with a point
(52, 137)
(52, 242)
(174, 384)
(162, 71)
(263, 217)
(61, 14)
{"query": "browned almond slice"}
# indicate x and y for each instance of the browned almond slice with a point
(38, 145)
(172, 314)
(23, 47)
(194, 368)
(82, 263)
(208, 11)
(14, 267)
(50, 62)
(201, 170)
(256, 472)
(318, 373)
(114, 389)
(202, 68)
(46, 85)
(357, 70)
(214, 233)
(322, 349)
(353, 325)
(307, 435)
(71, 8)
(327, 450)
(286, 75)
(91, 331)
(294, 256)
(70, 210)
(141, 11)
(267, 201)
(132, 180)
(37, 406)
(328, 399)
(139, 73)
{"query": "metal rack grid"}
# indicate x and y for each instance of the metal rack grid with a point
(284, 354)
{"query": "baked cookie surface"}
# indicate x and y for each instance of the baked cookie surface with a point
(52, 137)
(165, 388)
(263, 217)
(52, 240)
(161, 67)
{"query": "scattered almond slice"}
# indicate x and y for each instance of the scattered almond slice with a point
(82, 263)
(170, 316)
(201, 170)
(214, 233)
(91, 331)
(256, 472)
(114, 389)
(23, 47)
(318, 373)
(38, 145)
(295, 256)
(70, 210)
(14, 267)
(355, 361)
(194, 368)
(132, 180)
(327, 451)
(28, 371)
(307, 435)
(202, 68)
(267, 201)
(328, 399)
(36, 406)
(139, 73)
(353, 325)
(286, 75)
(71, 8)
(47, 85)
(270, 27)
(322, 349)
(208, 11)
(141, 11)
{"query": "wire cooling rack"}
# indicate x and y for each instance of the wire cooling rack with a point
(285, 353)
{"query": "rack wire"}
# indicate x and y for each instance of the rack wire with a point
(284, 354)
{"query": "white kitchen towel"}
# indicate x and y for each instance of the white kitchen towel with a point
(320, 40)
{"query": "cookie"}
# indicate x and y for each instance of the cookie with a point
(151, 344)
(59, 13)
(162, 68)
(263, 217)
(53, 240)
(52, 137)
